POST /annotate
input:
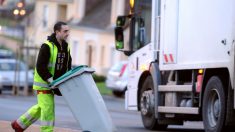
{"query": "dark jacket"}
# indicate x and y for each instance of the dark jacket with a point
(63, 60)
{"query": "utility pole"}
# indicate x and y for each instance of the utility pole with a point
(15, 88)
(19, 12)
(26, 88)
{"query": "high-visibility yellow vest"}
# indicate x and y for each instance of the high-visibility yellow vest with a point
(39, 83)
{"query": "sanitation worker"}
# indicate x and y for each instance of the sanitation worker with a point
(53, 61)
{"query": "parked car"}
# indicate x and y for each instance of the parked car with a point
(7, 74)
(6, 54)
(117, 78)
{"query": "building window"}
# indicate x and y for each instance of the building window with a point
(90, 57)
(45, 16)
(62, 13)
(102, 56)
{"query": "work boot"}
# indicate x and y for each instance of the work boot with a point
(16, 127)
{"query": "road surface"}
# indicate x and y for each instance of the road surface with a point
(11, 107)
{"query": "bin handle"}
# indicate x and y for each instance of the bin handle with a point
(72, 70)
(80, 66)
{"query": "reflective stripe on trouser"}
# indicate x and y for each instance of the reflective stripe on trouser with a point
(29, 117)
(44, 111)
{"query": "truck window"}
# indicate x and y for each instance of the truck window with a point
(142, 30)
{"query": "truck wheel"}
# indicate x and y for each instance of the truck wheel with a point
(213, 109)
(0, 91)
(147, 106)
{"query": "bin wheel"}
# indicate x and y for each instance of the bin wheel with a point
(147, 106)
(213, 109)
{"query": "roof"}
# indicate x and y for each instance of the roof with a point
(59, 1)
(99, 17)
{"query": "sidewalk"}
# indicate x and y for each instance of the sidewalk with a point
(5, 126)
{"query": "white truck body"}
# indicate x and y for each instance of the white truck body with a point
(181, 62)
(191, 27)
(191, 31)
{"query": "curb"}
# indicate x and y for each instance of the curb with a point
(6, 127)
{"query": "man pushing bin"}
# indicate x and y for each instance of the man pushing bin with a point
(53, 76)
(53, 61)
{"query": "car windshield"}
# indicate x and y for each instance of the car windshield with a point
(11, 66)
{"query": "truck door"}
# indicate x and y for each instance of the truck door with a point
(169, 31)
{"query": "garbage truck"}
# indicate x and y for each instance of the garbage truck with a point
(180, 61)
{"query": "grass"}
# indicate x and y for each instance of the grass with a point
(102, 88)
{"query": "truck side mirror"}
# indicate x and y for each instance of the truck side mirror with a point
(121, 23)
(119, 38)
(121, 20)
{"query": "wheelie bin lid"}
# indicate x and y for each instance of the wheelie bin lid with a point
(79, 70)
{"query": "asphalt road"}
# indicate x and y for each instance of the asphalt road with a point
(11, 107)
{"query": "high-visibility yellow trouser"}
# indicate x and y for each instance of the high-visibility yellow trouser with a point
(43, 110)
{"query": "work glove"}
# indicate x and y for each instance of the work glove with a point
(57, 92)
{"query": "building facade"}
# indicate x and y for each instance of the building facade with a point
(91, 29)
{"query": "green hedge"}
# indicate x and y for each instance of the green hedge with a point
(98, 78)
(102, 88)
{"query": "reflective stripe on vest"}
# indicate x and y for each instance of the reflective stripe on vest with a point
(53, 56)
(41, 84)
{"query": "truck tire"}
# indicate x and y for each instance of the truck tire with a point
(147, 108)
(213, 109)
(0, 91)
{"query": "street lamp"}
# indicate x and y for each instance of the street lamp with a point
(20, 4)
(16, 12)
(19, 10)
(22, 12)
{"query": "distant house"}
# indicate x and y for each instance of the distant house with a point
(91, 34)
